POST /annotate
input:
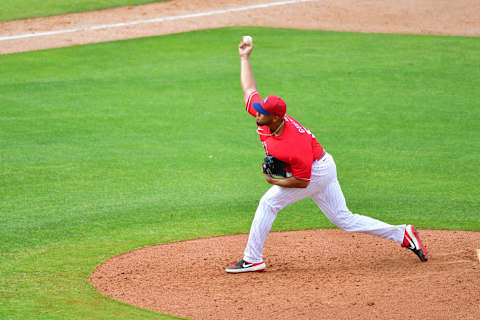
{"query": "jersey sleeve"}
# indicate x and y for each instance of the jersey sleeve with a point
(301, 170)
(253, 97)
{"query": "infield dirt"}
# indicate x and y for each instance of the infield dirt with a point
(443, 17)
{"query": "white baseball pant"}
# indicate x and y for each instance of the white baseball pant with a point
(325, 190)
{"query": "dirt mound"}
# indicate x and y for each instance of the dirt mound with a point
(319, 274)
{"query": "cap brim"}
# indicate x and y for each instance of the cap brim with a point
(258, 106)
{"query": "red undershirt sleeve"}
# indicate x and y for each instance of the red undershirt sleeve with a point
(301, 170)
(253, 97)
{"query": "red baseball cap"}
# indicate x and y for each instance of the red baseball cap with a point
(272, 105)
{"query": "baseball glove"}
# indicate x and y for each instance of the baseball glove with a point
(274, 167)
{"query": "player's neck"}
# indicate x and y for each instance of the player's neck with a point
(276, 130)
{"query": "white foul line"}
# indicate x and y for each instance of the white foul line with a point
(155, 20)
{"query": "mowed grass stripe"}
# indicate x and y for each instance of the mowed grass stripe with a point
(109, 147)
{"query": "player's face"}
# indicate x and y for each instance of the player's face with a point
(263, 119)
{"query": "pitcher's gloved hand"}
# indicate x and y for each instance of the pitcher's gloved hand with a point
(274, 167)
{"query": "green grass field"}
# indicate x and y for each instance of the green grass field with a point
(23, 9)
(110, 147)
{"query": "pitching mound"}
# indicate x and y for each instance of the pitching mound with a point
(319, 274)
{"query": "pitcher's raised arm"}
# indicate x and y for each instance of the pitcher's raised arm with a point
(246, 75)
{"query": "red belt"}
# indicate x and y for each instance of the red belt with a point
(322, 155)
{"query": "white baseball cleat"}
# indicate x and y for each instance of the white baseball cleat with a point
(245, 266)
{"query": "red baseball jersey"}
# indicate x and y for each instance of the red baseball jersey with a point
(296, 145)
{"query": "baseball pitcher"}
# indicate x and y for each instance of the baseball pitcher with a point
(297, 167)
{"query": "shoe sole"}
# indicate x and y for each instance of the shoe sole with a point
(420, 249)
(257, 268)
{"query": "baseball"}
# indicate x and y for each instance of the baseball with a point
(247, 39)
